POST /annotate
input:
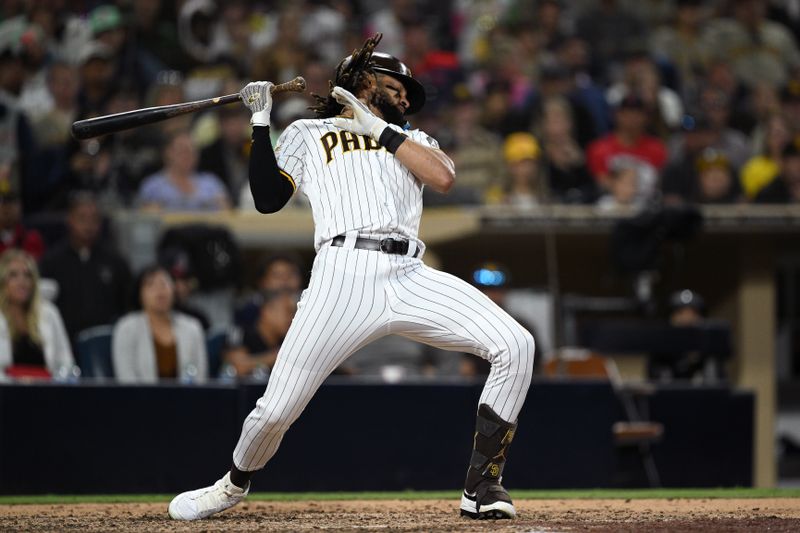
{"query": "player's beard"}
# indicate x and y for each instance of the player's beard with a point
(393, 114)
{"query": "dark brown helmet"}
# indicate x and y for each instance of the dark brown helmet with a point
(391, 66)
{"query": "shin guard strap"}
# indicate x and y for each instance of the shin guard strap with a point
(493, 435)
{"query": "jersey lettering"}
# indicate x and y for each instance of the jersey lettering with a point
(347, 141)
(329, 142)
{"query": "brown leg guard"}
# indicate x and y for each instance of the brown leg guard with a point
(493, 436)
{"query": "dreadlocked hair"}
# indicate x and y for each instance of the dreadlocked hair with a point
(351, 77)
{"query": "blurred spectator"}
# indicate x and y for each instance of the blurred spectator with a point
(525, 186)
(179, 186)
(88, 168)
(476, 152)
(574, 55)
(765, 102)
(548, 21)
(721, 77)
(153, 30)
(93, 279)
(717, 106)
(178, 263)
(555, 81)
(762, 169)
(625, 188)
(278, 272)
(34, 97)
(134, 154)
(568, 177)
(790, 105)
(681, 43)
(285, 57)
(156, 342)
(18, 147)
(496, 107)
(12, 233)
(785, 188)
(716, 180)
(169, 87)
(641, 77)
(256, 347)
(235, 35)
(714, 106)
(390, 20)
(652, 13)
(679, 179)
(438, 69)
(610, 32)
(227, 156)
(133, 66)
(52, 124)
(628, 139)
(761, 50)
(324, 27)
(98, 82)
(31, 331)
(686, 309)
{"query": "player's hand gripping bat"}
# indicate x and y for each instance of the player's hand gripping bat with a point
(93, 127)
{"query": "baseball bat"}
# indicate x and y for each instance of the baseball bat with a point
(93, 127)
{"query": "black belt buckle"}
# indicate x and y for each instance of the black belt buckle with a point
(388, 246)
(393, 246)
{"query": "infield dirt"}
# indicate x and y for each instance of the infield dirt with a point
(708, 515)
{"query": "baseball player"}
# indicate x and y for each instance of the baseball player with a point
(363, 172)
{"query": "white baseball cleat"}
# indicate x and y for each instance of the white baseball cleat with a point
(202, 503)
(489, 501)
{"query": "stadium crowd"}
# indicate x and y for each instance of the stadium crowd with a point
(605, 102)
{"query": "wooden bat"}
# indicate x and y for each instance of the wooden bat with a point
(93, 127)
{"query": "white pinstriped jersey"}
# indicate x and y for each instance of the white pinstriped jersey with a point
(356, 296)
(352, 183)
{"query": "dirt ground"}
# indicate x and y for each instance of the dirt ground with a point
(437, 516)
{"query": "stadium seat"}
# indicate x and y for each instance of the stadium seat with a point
(215, 342)
(94, 352)
(636, 430)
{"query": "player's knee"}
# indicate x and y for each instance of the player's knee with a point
(527, 348)
(271, 421)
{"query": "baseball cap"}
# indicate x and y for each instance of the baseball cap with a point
(519, 146)
(105, 18)
(490, 275)
(687, 298)
(710, 158)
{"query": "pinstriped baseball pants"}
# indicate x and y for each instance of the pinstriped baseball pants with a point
(357, 296)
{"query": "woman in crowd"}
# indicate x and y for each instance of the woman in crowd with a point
(32, 334)
(179, 186)
(156, 342)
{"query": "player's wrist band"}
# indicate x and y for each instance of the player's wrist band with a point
(391, 140)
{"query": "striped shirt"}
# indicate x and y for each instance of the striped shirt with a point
(352, 183)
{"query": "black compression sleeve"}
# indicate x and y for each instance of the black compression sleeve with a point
(271, 189)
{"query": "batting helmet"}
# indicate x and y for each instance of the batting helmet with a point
(391, 66)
